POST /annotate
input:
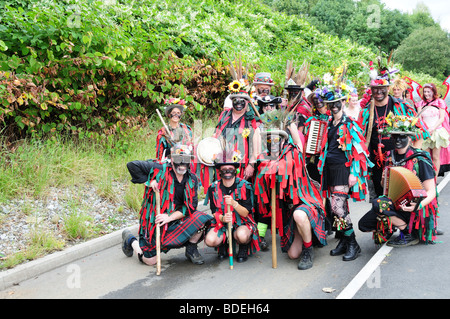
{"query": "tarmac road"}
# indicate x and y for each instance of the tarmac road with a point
(419, 271)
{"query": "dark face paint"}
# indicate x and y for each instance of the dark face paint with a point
(379, 93)
(239, 104)
(295, 94)
(227, 173)
(335, 107)
(400, 141)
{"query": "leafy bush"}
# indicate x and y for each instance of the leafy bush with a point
(93, 68)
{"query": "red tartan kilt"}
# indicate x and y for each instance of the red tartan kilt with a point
(317, 221)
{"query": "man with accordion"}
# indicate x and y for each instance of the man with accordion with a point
(409, 185)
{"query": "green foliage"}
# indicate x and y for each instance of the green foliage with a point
(435, 47)
(95, 68)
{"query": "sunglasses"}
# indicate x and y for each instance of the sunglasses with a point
(261, 91)
(181, 159)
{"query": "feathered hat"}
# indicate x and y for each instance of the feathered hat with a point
(380, 76)
(239, 87)
(297, 80)
(227, 156)
(275, 122)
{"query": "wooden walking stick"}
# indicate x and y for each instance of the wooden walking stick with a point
(158, 235)
(371, 115)
(274, 228)
(230, 239)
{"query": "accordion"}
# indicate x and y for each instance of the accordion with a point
(402, 186)
(315, 136)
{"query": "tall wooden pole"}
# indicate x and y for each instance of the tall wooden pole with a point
(158, 235)
(274, 228)
(230, 239)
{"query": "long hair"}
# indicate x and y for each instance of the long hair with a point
(433, 88)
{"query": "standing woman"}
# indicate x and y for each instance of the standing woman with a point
(353, 108)
(178, 132)
(432, 111)
(343, 164)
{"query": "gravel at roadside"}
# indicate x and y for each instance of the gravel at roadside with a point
(20, 217)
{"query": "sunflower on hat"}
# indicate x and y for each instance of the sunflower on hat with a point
(235, 86)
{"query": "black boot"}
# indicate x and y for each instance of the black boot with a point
(222, 251)
(353, 248)
(306, 258)
(193, 255)
(341, 247)
(243, 253)
(404, 239)
(263, 244)
(127, 239)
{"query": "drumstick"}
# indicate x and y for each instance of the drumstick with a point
(158, 235)
(230, 239)
(274, 229)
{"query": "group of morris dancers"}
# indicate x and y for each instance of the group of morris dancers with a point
(289, 164)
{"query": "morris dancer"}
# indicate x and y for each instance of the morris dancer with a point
(321, 113)
(239, 128)
(178, 132)
(182, 224)
(295, 86)
(415, 226)
(372, 118)
(237, 193)
(344, 165)
(263, 83)
(299, 212)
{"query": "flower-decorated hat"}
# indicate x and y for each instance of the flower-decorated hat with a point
(181, 154)
(263, 78)
(172, 103)
(335, 88)
(382, 75)
(400, 125)
(228, 156)
(239, 88)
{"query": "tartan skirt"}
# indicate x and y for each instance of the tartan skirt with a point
(317, 220)
(176, 234)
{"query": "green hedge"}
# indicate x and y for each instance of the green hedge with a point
(94, 67)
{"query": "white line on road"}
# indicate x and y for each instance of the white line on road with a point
(353, 287)
(364, 274)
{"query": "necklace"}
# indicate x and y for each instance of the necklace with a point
(379, 154)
